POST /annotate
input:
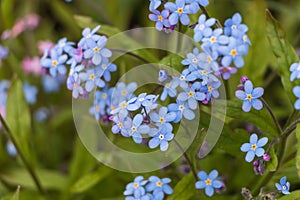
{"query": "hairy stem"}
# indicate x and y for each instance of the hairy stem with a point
(278, 127)
(26, 163)
(131, 54)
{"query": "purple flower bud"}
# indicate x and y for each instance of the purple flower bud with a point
(205, 101)
(266, 157)
(244, 79)
(221, 189)
(255, 163)
(240, 87)
(185, 169)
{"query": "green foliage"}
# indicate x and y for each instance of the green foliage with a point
(298, 150)
(284, 52)
(273, 163)
(295, 195)
(184, 189)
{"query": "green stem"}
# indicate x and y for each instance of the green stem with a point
(290, 128)
(26, 163)
(187, 159)
(219, 25)
(279, 130)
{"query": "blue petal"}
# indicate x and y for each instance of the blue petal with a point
(184, 19)
(246, 106)
(167, 189)
(217, 184)
(213, 175)
(202, 175)
(209, 191)
(245, 147)
(257, 104)
(200, 184)
(192, 103)
(97, 59)
(253, 138)
(240, 94)
(250, 156)
(283, 180)
(164, 145)
(248, 87)
(173, 19)
(154, 142)
(259, 152)
(262, 142)
(257, 92)
(278, 186)
(188, 114)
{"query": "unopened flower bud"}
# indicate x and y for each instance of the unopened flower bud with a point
(266, 157)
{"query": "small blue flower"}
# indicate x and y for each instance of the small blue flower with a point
(209, 182)
(92, 79)
(181, 79)
(182, 110)
(295, 69)
(140, 197)
(30, 93)
(74, 85)
(163, 116)
(179, 11)
(169, 90)
(233, 26)
(106, 68)
(214, 40)
(203, 28)
(136, 188)
(122, 124)
(41, 114)
(3, 53)
(96, 50)
(284, 186)
(191, 96)
(4, 85)
(159, 187)
(192, 60)
(161, 137)
(250, 96)
(89, 36)
(11, 149)
(55, 63)
(138, 128)
(233, 52)
(212, 89)
(296, 92)
(123, 92)
(64, 46)
(194, 5)
(154, 4)
(254, 147)
(161, 19)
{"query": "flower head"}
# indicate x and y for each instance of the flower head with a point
(254, 148)
(179, 11)
(295, 69)
(284, 186)
(161, 19)
(30, 93)
(250, 96)
(203, 28)
(159, 187)
(136, 188)
(209, 182)
(161, 137)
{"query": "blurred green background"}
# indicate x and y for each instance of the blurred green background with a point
(65, 168)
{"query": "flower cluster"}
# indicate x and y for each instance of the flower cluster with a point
(249, 95)
(295, 69)
(284, 186)
(209, 182)
(254, 148)
(152, 189)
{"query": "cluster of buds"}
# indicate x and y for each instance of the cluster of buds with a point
(258, 165)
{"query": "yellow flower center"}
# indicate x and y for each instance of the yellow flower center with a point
(191, 94)
(209, 59)
(97, 108)
(208, 182)
(253, 147)
(124, 92)
(168, 85)
(233, 52)
(159, 183)
(75, 85)
(88, 36)
(245, 38)
(204, 72)
(213, 39)
(210, 88)
(160, 18)
(135, 185)
(180, 10)
(120, 124)
(124, 105)
(96, 50)
(201, 27)
(54, 63)
(104, 96)
(92, 77)
(249, 97)
(162, 120)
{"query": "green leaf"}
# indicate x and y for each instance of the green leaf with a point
(17, 194)
(272, 164)
(185, 188)
(260, 118)
(50, 180)
(18, 118)
(298, 151)
(295, 195)
(173, 61)
(89, 180)
(283, 51)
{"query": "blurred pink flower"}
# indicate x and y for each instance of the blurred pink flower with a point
(32, 21)
(45, 44)
(18, 28)
(32, 65)
(6, 34)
